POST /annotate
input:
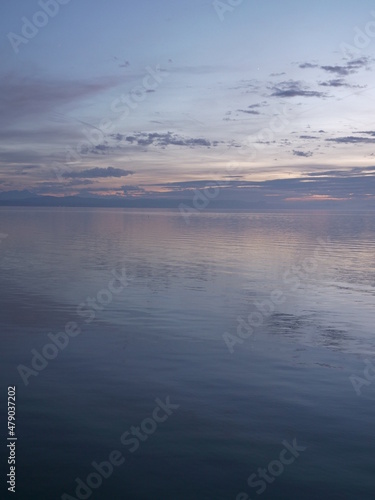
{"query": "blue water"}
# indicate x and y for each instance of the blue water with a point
(187, 289)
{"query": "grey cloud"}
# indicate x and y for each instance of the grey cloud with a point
(168, 139)
(203, 184)
(350, 67)
(249, 111)
(100, 149)
(294, 88)
(352, 140)
(98, 172)
(360, 62)
(117, 137)
(345, 185)
(29, 96)
(131, 190)
(253, 106)
(339, 184)
(26, 169)
(338, 70)
(308, 65)
(306, 154)
(296, 93)
(338, 82)
(364, 171)
(368, 132)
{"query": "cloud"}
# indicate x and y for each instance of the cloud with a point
(253, 109)
(132, 190)
(26, 169)
(250, 86)
(354, 171)
(368, 132)
(249, 111)
(338, 82)
(166, 139)
(27, 96)
(97, 172)
(118, 141)
(345, 185)
(259, 105)
(338, 70)
(350, 67)
(334, 184)
(352, 140)
(307, 65)
(100, 149)
(306, 154)
(360, 62)
(117, 137)
(125, 64)
(58, 187)
(294, 88)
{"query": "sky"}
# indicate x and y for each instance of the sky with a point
(267, 102)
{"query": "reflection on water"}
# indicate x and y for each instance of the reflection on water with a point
(163, 334)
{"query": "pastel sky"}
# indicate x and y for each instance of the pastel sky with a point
(268, 100)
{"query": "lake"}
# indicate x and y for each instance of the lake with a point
(227, 357)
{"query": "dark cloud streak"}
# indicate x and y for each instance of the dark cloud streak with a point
(97, 172)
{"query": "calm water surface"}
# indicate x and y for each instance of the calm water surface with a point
(190, 288)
